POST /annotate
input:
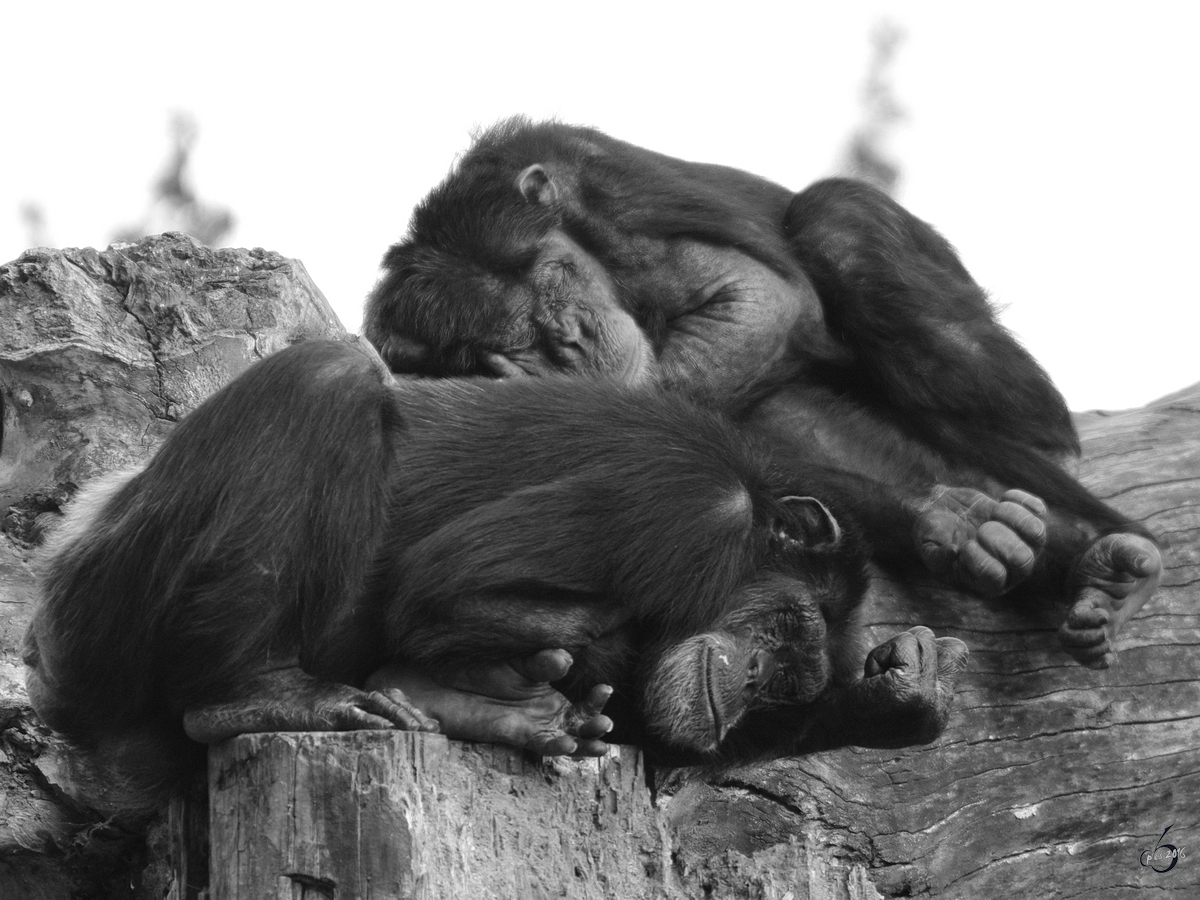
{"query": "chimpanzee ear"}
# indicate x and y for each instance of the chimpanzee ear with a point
(536, 186)
(808, 521)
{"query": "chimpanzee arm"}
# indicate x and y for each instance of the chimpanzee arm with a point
(483, 612)
(903, 699)
(731, 322)
(961, 536)
(506, 579)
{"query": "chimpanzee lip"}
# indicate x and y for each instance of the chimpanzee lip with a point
(713, 713)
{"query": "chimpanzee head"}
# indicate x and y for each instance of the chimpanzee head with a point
(530, 256)
(790, 635)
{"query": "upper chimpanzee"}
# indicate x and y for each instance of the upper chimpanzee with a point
(833, 318)
(316, 528)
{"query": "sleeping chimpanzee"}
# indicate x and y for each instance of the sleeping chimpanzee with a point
(317, 541)
(833, 318)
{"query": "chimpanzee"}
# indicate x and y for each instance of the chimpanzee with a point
(832, 318)
(320, 546)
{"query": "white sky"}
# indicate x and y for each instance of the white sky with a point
(1050, 142)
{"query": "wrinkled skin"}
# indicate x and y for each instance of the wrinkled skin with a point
(506, 703)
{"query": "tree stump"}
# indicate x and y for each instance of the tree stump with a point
(398, 815)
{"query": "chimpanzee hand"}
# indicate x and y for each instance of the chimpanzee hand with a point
(980, 544)
(507, 703)
(907, 690)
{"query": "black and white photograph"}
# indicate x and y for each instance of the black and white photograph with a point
(640, 451)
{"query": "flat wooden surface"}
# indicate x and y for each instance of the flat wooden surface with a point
(392, 814)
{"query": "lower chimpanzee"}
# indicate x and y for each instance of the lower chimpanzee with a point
(833, 318)
(319, 546)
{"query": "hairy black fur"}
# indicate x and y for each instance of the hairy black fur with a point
(313, 509)
(473, 239)
(908, 339)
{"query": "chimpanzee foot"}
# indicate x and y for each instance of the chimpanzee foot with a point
(977, 543)
(290, 700)
(508, 703)
(1112, 580)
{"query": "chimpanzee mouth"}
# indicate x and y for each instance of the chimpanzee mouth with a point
(713, 715)
(719, 726)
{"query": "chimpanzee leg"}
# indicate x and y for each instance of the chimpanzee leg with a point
(970, 535)
(287, 699)
(1029, 525)
(508, 703)
(988, 546)
(927, 348)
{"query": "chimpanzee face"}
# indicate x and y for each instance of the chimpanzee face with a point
(567, 319)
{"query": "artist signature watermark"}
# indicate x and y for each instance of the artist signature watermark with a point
(1162, 853)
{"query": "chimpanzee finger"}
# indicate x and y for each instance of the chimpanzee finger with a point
(982, 572)
(895, 653)
(351, 718)
(1079, 639)
(587, 749)
(396, 708)
(880, 659)
(594, 727)
(1090, 646)
(1025, 522)
(952, 657)
(1009, 547)
(1086, 615)
(501, 366)
(552, 743)
(926, 650)
(544, 666)
(1095, 659)
(584, 718)
(595, 700)
(1031, 502)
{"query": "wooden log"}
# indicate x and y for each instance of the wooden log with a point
(392, 814)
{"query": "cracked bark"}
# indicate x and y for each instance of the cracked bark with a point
(115, 346)
(1050, 781)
